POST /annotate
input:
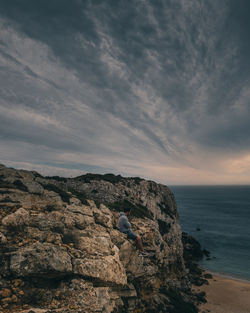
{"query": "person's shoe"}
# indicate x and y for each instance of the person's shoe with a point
(143, 253)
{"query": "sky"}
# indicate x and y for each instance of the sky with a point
(158, 89)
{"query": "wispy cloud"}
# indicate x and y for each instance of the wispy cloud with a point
(150, 88)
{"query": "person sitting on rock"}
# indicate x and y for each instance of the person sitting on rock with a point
(124, 227)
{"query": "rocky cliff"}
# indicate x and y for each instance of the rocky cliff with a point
(61, 250)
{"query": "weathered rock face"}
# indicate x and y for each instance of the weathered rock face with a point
(63, 253)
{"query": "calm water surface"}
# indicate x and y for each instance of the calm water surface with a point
(223, 215)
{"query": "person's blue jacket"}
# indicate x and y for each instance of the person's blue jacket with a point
(123, 223)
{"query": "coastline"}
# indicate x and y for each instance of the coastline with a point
(223, 275)
(225, 294)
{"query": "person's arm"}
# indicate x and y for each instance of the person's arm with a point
(126, 223)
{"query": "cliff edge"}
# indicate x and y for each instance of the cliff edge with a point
(61, 250)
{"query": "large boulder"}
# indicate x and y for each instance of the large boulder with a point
(17, 219)
(107, 269)
(40, 259)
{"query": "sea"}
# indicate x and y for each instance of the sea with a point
(219, 218)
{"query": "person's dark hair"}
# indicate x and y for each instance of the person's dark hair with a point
(127, 210)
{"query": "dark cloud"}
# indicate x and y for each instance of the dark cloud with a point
(166, 77)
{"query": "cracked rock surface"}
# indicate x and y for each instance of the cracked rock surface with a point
(61, 250)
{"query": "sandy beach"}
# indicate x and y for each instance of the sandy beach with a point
(226, 295)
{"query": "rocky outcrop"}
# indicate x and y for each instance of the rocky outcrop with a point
(61, 250)
(192, 253)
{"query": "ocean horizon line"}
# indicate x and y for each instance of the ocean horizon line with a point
(211, 185)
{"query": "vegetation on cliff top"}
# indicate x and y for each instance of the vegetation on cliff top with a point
(137, 210)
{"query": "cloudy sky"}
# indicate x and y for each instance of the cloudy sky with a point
(158, 89)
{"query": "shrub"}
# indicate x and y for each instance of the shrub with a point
(163, 227)
(19, 184)
(114, 179)
(57, 178)
(63, 194)
(79, 195)
(136, 180)
(137, 210)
